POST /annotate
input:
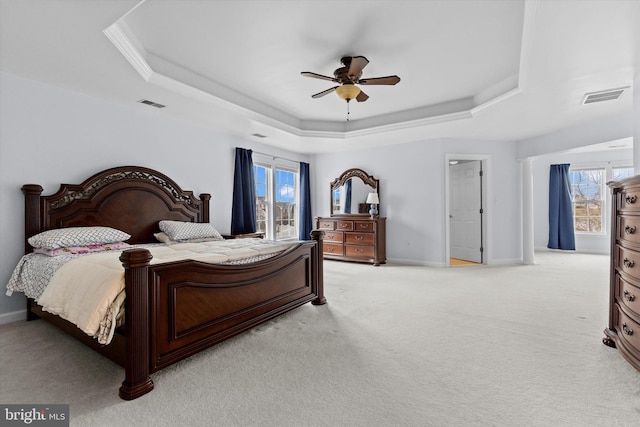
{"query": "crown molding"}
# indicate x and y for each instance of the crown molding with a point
(116, 33)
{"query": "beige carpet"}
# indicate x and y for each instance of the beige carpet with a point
(395, 346)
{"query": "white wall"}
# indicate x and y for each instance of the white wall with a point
(584, 242)
(49, 135)
(412, 193)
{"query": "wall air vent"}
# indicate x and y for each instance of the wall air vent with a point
(153, 104)
(603, 95)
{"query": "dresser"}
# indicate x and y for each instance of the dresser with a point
(358, 238)
(623, 331)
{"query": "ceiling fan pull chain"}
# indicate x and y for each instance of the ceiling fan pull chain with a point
(347, 110)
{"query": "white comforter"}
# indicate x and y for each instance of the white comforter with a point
(88, 290)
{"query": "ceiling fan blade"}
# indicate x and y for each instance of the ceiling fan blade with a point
(362, 97)
(357, 65)
(324, 92)
(318, 76)
(388, 80)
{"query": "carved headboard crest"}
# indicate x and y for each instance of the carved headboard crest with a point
(134, 173)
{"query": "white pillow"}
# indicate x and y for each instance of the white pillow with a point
(178, 230)
(77, 236)
(162, 237)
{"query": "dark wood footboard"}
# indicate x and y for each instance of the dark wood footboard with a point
(181, 308)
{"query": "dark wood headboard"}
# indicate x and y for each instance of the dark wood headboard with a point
(130, 198)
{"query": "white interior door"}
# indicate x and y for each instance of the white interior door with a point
(465, 210)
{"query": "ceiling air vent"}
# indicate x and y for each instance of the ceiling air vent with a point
(153, 104)
(258, 135)
(603, 95)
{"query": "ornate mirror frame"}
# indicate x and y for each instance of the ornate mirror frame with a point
(368, 180)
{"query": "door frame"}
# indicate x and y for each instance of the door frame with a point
(486, 196)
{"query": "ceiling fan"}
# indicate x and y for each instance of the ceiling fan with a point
(349, 76)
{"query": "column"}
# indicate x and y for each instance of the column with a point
(527, 212)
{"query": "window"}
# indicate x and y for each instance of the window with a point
(622, 173)
(262, 197)
(276, 197)
(586, 195)
(589, 196)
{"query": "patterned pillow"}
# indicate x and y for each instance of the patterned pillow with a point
(76, 236)
(178, 230)
(83, 249)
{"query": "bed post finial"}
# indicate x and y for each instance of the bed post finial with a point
(204, 207)
(32, 214)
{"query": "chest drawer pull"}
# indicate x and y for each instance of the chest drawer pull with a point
(631, 199)
(359, 238)
(626, 329)
(630, 229)
(628, 296)
(628, 263)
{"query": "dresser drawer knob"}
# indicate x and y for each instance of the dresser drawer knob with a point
(630, 229)
(628, 263)
(626, 329)
(628, 296)
(631, 199)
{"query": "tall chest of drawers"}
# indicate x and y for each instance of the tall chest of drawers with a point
(354, 238)
(623, 331)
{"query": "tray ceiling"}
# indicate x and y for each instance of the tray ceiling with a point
(469, 69)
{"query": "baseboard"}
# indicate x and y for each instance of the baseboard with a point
(415, 262)
(14, 316)
(588, 251)
(505, 261)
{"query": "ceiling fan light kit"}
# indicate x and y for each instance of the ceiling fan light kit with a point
(348, 91)
(348, 76)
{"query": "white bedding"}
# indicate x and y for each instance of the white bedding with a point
(94, 302)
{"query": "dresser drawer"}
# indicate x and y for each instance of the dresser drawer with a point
(629, 229)
(332, 248)
(333, 236)
(629, 262)
(360, 238)
(628, 295)
(326, 225)
(344, 225)
(630, 199)
(364, 226)
(359, 251)
(628, 330)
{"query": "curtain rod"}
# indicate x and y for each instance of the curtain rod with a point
(275, 157)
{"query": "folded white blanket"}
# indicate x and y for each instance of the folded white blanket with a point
(83, 290)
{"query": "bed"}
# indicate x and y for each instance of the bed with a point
(172, 309)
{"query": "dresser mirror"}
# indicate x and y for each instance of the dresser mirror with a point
(349, 192)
